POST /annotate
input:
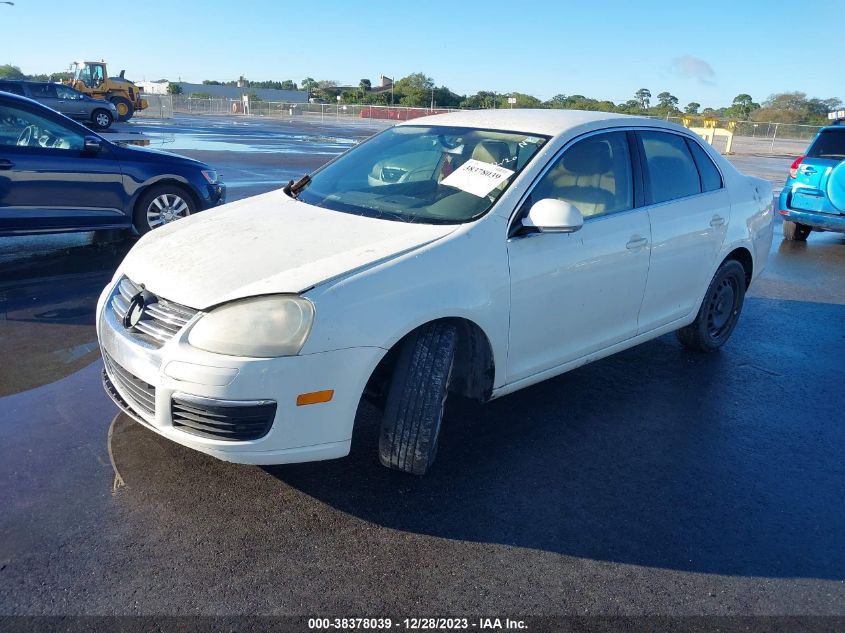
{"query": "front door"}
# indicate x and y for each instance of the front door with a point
(47, 179)
(574, 294)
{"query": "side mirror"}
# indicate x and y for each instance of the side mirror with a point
(93, 145)
(554, 216)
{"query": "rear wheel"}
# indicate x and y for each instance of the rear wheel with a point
(124, 106)
(161, 205)
(417, 397)
(719, 311)
(102, 119)
(794, 231)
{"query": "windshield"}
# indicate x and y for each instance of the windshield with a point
(436, 175)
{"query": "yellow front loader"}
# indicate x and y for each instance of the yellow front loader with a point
(93, 79)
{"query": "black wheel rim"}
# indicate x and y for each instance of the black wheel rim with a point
(722, 308)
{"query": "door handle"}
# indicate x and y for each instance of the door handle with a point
(808, 170)
(717, 221)
(6, 164)
(636, 242)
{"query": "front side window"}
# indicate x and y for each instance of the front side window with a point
(19, 127)
(437, 175)
(594, 175)
(670, 170)
(68, 93)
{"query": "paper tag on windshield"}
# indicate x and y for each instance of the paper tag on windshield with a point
(477, 177)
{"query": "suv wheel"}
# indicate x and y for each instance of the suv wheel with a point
(416, 398)
(794, 231)
(719, 311)
(102, 119)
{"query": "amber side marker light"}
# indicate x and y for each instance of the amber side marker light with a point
(315, 397)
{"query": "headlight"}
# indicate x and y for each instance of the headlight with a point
(262, 327)
(211, 176)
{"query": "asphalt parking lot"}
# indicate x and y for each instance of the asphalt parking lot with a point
(656, 481)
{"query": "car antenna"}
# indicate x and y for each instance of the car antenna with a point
(293, 188)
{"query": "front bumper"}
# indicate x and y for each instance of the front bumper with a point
(177, 371)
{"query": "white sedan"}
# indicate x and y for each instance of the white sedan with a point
(473, 253)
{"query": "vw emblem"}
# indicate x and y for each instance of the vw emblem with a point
(135, 310)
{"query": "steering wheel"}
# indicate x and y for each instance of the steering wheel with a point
(27, 134)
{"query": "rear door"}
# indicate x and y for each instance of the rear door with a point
(820, 180)
(48, 182)
(689, 209)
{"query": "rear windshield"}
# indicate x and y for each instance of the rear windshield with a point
(828, 144)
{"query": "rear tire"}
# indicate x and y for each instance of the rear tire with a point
(416, 398)
(102, 119)
(124, 106)
(795, 232)
(719, 311)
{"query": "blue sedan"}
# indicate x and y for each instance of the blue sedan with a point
(57, 176)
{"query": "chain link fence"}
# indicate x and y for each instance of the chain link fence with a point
(762, 136)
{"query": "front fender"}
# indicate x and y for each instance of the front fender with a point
(464, 275)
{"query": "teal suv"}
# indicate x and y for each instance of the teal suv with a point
(813, 198)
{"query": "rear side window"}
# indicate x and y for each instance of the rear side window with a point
(13, 88)
(828, 144)
(671, 171)
(711, 179)
(43, 91)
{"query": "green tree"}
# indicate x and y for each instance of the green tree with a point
(482, 100)
(199, 95)
(308, 84)
(742, 107)
(643, 97)
(174, 89)
(667, 103)
(11, 72)
(692, 107)
(365, 85)
(415, 90)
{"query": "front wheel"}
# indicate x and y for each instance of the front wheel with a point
(102, 119)
(416, 399)
(124, 107)
(161, 205)
(793, 231)
(719, 311)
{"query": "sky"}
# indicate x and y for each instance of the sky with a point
(703, 52)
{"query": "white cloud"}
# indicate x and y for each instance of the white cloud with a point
(694, 68)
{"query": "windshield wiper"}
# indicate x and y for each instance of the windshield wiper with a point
(293, 188)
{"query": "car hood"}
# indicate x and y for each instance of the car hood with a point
(137, 152)
(266, 244)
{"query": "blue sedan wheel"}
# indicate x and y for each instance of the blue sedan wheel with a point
(162, 205)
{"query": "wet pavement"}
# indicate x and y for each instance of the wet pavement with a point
(656, 481)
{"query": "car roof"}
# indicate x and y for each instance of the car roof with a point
(545, 122)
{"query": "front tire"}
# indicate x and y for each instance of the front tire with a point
(416, 398)
(719, 311)
(160, 205)
(795, 232)
(102, 119)
(124, 106)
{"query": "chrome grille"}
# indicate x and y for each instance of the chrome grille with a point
(139, 395)
(161, 319)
